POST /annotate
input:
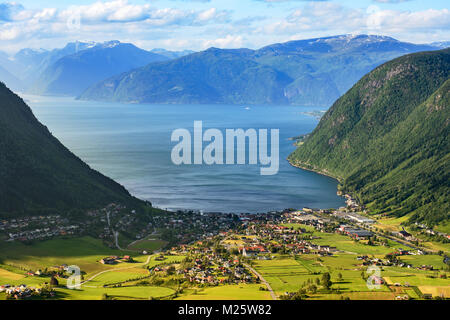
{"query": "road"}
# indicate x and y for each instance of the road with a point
(143, 239)
(117, 269)
(272, 293)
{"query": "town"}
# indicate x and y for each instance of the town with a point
(291, 254)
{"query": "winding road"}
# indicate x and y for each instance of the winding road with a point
(272, 293)
(116, 269)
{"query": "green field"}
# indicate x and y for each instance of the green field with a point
(383, 295)
(118, 276)
(123, 293)
(82, 252)
(85, 252)
(285, 273)
(288, 274)
(231, 292)
(433, 260)
(149, 245)
(345, 243)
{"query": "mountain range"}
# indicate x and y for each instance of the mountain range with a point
(386, 139)
(72, 74)
(306, 72)
(73, 68)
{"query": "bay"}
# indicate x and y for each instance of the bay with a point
(132, 145)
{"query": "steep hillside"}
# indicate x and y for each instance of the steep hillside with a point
(387, 138)
(38, 174)
(10, 80)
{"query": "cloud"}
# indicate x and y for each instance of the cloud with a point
(322, 16)
(391, 1)
(101, 18)
(9, 10)
(272, 1)
(202, 25)
(229, 41)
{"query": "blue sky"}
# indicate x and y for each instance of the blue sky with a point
(199, 24)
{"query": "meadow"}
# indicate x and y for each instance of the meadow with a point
(285, 273)
(83, 252)
(229, 292)
(121, 293)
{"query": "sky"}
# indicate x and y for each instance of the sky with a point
(200, 24)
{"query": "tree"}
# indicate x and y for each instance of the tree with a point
(326, 280)
(54, 282)
(170, 270)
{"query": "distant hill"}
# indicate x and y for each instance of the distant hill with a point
(171, 54)
(28, 64)
(387, 139)
(306, 72)
(38, 174)
(10, 80)
(211, 76)
(441, 44)
(72, 74)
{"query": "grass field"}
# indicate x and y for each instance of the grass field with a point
(149, 245)
(344, 243)
(436, 291)
(167, 260)
(6, 275)
(444, 227)
(231, 292)
(83, 252)
(122, 293)
(117, 276)
(412, 277)
(356, 296)
(433, 260)
(437, 246)
(391, 224)
(285, 273)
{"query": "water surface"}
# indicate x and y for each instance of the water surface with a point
(131, 144)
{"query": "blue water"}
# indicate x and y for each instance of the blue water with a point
(131, 144)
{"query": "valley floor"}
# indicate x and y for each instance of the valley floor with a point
(262, 260)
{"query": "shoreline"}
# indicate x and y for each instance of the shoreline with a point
(299, 166)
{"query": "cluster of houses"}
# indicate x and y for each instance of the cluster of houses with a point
(353, 217)
(431, 232)
(190, 226)
(261, 239)
(24, 222)
(37, 228)
(405, 235)
(355, 233)
(217, 270)
(352, 204)
(366, 261)
(20, 292)
(116, 259)
(43, 233)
